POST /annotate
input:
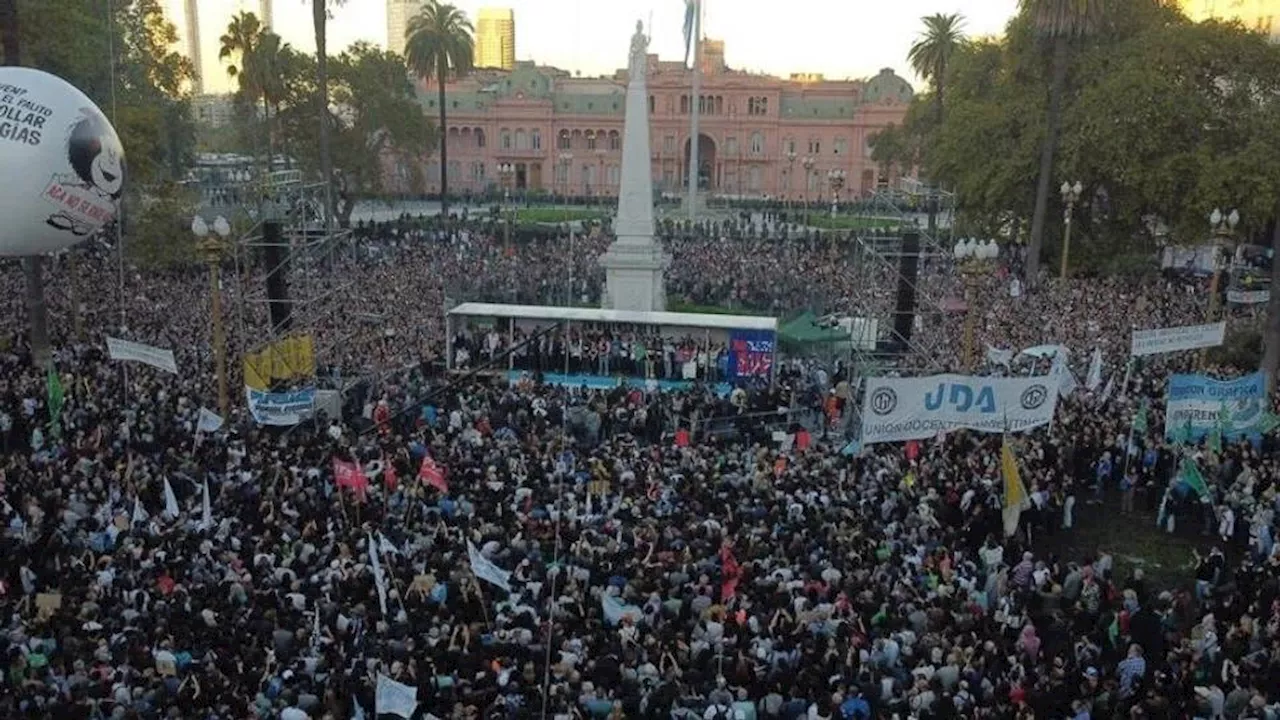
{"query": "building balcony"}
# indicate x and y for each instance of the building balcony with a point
(520, 154)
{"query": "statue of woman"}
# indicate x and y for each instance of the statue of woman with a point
(639, 49)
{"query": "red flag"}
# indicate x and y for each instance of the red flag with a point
(349, 475)
(682, 438)
(913, 449)
(389, 474)
(432, 474)
(803, 439)
(730, 572)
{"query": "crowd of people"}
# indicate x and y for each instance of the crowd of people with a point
(484, 545)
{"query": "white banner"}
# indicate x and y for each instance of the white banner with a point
(1189, 337)
(283, 409)
(1248, 297)
(209, 421)
(156, 357)
(896, 409)
(394, 698)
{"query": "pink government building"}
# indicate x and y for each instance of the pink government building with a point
(758, 135)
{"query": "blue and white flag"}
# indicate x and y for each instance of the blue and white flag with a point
(615, 611)
(171, 510)
(381, 581)
(206, 509)
(484, 569)
(395, 698)
(690, 15)
(209, 421)
(1094, 379)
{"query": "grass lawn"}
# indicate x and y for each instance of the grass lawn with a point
(557, 215)
(824, 221)
(1134, 541)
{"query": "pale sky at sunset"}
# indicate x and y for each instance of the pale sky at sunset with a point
(839, 38)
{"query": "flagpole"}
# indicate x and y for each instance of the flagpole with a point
(693, 110)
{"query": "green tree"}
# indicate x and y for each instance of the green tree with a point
(440, 45)
(376, 123)
(930, 55)
(256, 58)
(1058, 23)
(160, 233)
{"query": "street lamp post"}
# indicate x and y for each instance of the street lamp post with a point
(835, 178)
(1070, 196)
(791, 175)
(506, 171)
(807, 163)
(974, 259)
(1224, 229)
(211, 248)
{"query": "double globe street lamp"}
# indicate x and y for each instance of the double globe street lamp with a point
(974, 259)
(211, 248)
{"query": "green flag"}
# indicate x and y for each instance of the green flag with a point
(1182, 433)
(1140, 420)
(1191, 476)
(54, 387)
(1267, 422)
(1214, 440)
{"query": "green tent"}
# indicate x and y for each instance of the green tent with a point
(804, 330)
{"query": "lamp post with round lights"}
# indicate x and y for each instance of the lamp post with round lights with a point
(212, 248)
(1070, 196)
(974, 259)
(1224, 230)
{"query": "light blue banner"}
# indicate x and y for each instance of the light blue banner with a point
(280, 409)
(1197, 404)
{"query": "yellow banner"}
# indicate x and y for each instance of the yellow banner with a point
(288, 359)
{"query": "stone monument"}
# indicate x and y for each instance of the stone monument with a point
(634, 263)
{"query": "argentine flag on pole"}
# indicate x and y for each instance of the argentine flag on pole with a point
(690, 12)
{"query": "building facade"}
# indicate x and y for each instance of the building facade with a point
(758, 135)
(496, 39)
(1259, 15)
(399, 12)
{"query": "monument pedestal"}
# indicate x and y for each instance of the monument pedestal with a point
(634, 277)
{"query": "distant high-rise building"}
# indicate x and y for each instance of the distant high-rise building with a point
(265, 14)
(193, 46)
(399, 13)
(496, 39)
(1260, 15)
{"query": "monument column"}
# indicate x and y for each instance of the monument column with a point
(634, 263)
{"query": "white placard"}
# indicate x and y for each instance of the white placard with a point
(1248, 297)
(1188, 337)
(896, 409)
(158, 358)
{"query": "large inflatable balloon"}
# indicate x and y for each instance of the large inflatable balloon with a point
(61, 163)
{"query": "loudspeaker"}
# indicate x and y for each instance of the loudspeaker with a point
(276, 257)
(904, 311)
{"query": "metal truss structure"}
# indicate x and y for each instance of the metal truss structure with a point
(284, 237)
(879, 255)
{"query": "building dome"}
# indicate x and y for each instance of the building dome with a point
(887, 88)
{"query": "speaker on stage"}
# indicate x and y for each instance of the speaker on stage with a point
(904, 311)
(276, 257)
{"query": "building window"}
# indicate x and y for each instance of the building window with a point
(652, 104)
(758, 106)
(562, 173)
(535, 139)
(669, 144)
(522, 140)
(615, 140)
(479, 137)
(753, 179)
(615, 176)
(731, 146)
(684, 104)
(757, 143)
(506, 139)
(842, 146)
(589, 175)
(719, 105)
(562, 140)
(786, 180)
(815, 146)
(591, 139)
(791, 146)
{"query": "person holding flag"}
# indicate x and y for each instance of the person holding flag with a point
(1015, 493)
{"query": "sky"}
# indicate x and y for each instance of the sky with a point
(838, 38)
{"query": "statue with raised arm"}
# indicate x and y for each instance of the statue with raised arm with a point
(639, 50)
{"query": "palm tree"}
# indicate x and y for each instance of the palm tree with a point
(319, 19)
(931, 53)
(439, 43)
(1057, 22)
(239, 44)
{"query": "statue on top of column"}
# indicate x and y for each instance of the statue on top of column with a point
(639, 50)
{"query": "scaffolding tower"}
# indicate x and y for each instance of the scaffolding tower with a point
(883, 260)
(290, 246)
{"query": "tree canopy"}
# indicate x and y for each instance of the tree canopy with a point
(1162, 120)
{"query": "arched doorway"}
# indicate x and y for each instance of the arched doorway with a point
(706, 163)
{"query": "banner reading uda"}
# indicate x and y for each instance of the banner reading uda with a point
(915, 408)
(1196, 405)
(286, 408)
(1189, 337)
